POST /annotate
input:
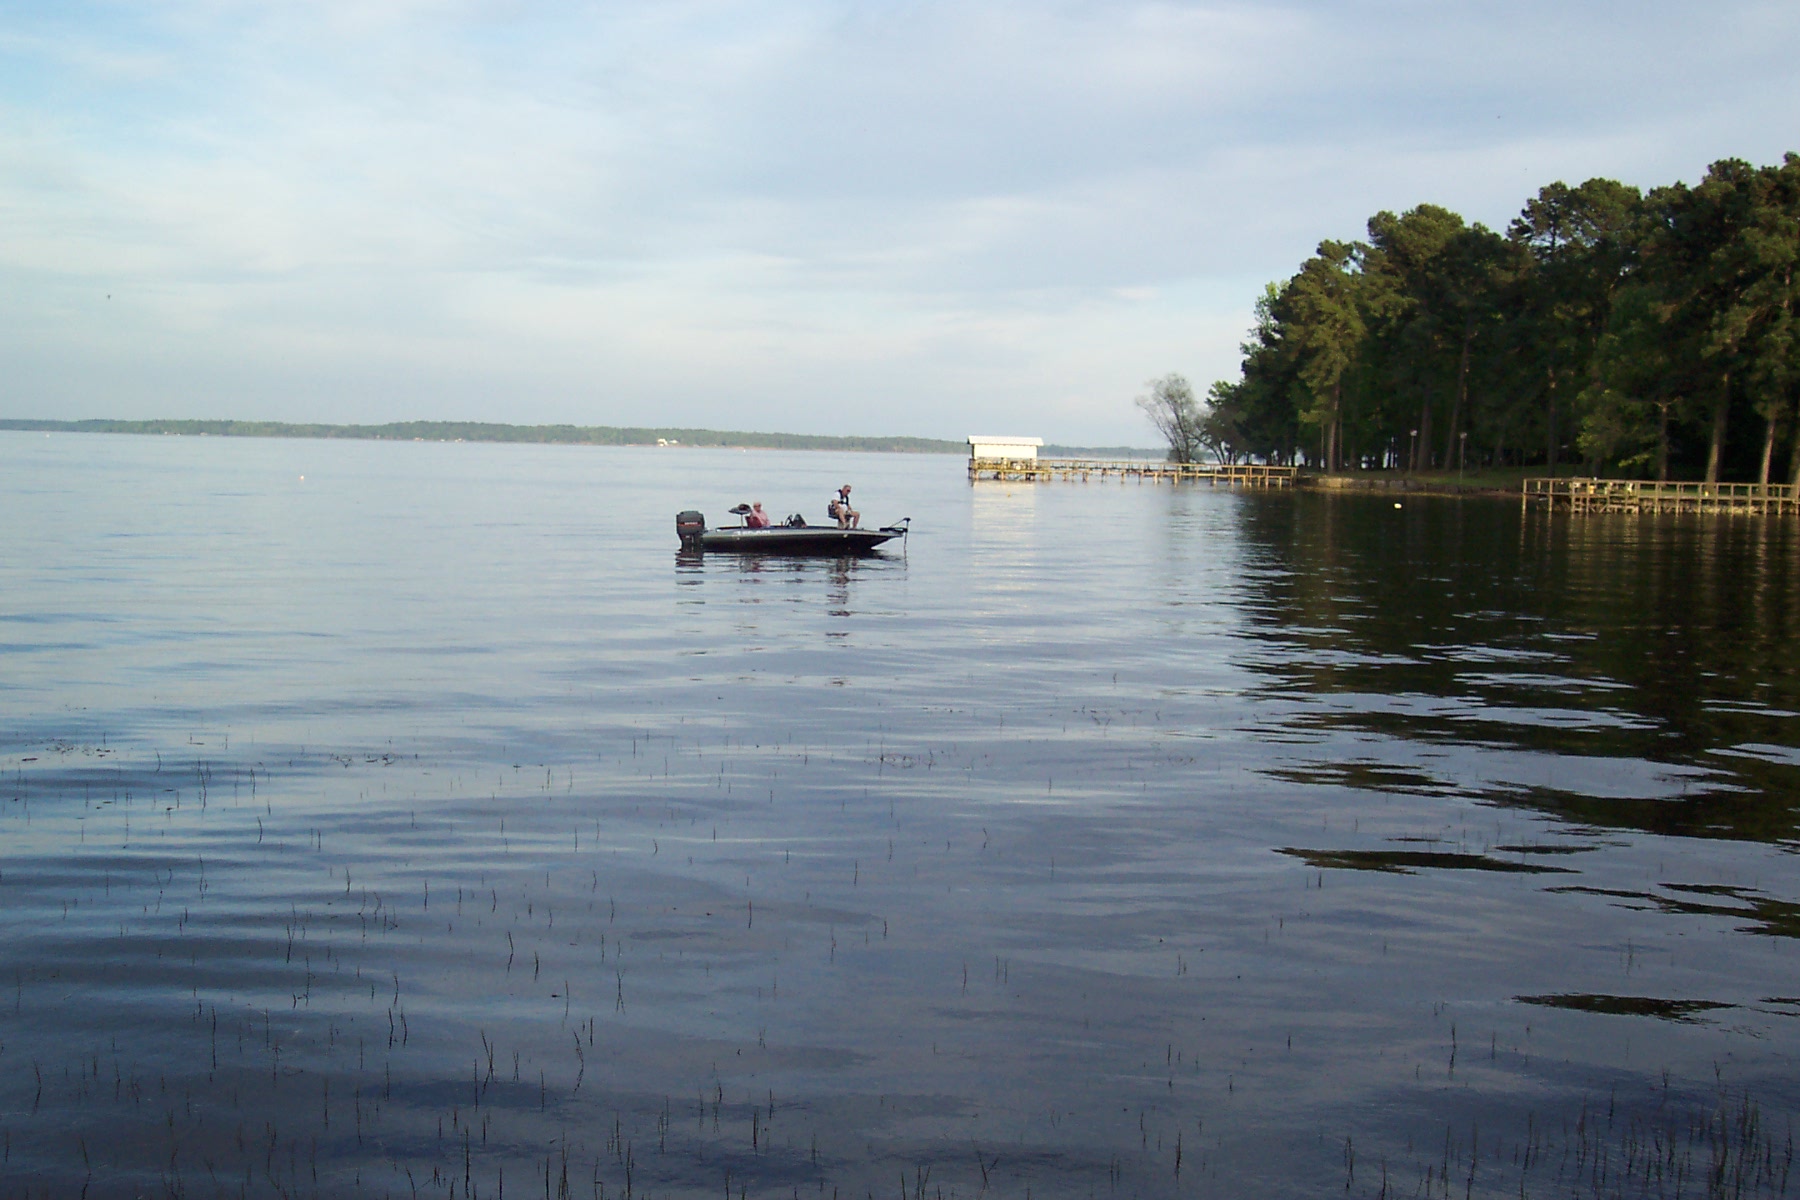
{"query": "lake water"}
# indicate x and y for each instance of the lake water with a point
(410, 819)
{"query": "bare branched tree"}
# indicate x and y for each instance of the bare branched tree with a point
(1172, 408)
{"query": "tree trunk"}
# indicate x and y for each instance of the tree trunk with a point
(1794, 458)
(1462, 392)
(1715, 451)
(1662, 441)
(1768, 454)
(1550, 455)
(1337, 425)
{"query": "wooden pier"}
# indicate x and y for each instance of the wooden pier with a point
(1643, 496)
(1217, 474)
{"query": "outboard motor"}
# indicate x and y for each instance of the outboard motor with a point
(689, 526)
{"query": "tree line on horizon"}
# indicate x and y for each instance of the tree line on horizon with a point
(487, 431)
(1641, 334)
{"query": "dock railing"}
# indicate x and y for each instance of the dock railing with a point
(1641, 496)
(1155, 470)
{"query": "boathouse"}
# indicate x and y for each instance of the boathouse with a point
(1002, 449)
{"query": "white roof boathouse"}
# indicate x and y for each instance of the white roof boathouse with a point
(991, 452)
(1003, 449)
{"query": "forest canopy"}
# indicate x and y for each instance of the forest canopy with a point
(1637, 334)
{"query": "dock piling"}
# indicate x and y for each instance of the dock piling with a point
(1649, 496)
(1029, 470)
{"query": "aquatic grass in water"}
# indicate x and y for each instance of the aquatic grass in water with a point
(438, 832)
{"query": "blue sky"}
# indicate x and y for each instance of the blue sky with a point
(832, 217)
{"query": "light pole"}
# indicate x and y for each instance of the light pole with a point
(1462, 453)
(1412, 452)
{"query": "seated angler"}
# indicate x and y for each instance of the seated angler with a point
(839, 508)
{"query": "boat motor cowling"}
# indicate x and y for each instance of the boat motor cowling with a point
(689, 526)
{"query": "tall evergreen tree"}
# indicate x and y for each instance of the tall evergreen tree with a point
(1642, 330)
(1418, 318)
(1327, 320)
(1580, 242)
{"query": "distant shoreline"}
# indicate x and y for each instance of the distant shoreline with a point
(571, 435)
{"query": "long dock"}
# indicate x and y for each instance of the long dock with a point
(1643, 496)
(1217, 474)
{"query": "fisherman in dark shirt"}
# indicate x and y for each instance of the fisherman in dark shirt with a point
(756, 518)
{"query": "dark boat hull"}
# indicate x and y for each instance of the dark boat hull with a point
(789, 539)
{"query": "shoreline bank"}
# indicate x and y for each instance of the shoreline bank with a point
(1409, 484)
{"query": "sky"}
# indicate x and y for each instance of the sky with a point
(813, 216)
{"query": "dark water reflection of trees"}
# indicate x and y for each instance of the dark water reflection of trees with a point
(1669, 641)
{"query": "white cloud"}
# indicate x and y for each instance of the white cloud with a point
(832, 215)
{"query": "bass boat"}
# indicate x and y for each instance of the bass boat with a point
(793, 537)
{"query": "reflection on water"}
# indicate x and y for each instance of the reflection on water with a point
(1406, 862)
(427, 828)
(1003, 546)
(1750, 910)
(1643, 660)
(828, 581)
(1638, 1006)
